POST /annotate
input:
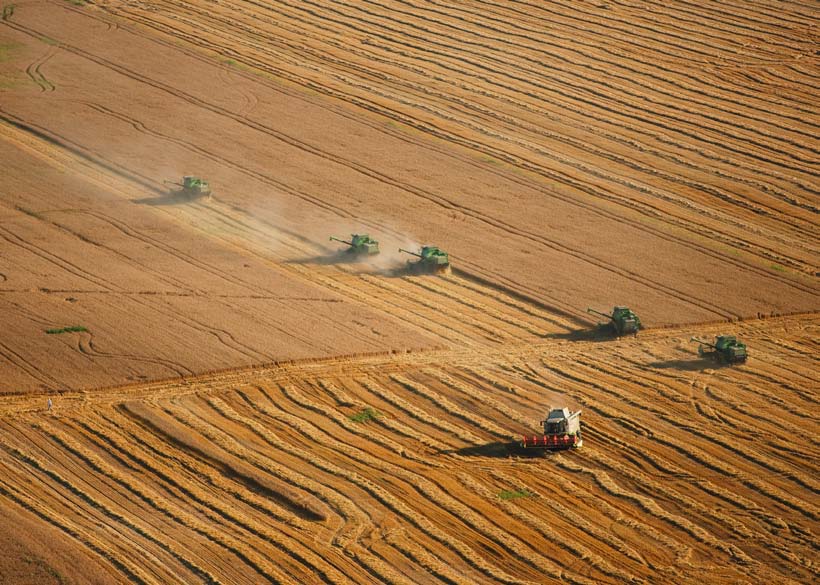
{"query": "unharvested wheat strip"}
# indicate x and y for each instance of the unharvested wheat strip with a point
(382, 495)
(384, 421)
(705, 485)
(405, 430)
(487, 316)
(729, 397)
(136, 526)
(418, 413)
(562, 540)
(481, 308)
(108, 438)
(577, 520)
(450, 408)
(459, 320)
(768, 519)
(732, 397)
(696, 454)
(178, 515)
(401, 540)
(650, 505)
(121, 562)
(341, 397)
(508, 301)
(714, 463)
(434, 493)
(93, 510)
(638, 376)
(500, 383)
(755, 458)
(651, 385)
(144, 426)
(394, 305)
(356, 519)
(779, 380)
(681, 550)
(660, 489)
(357, 429)
(387, 574)
(481, 396)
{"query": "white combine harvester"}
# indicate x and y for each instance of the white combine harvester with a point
(562, 430)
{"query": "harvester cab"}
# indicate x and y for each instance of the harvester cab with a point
(562, 430)
(726, 349)
(623, 320)
(430, 259)
(359, 244)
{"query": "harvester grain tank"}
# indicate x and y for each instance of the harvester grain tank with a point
(192, 186)
(726, 349)
(623, 320)
(360, 244)
(430, 259)
(562, 430)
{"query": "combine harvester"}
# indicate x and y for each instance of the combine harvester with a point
(562, 430)
(622, 320)
(360, 245)
(192, 187)
(431, 260)
(725, 350)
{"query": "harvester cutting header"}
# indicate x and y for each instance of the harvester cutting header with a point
(430, 259)
(360, 244)
(622, 320)
(562, 430)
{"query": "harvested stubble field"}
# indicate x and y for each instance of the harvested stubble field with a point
(236, 402)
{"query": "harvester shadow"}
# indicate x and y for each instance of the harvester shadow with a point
(588, 335)
(496, 450)
(691, 365)
(353, 263)
(340, 257)
(173, 198)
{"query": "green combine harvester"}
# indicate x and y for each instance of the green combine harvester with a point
(360, 244)
(431, 260)
(193, 187)
(725, 350)
(622, 320)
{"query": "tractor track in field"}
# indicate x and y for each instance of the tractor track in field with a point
(33, 71)
(162, 453)
(363, 288)
(785, 260)
(592, 260)
(562, 178)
